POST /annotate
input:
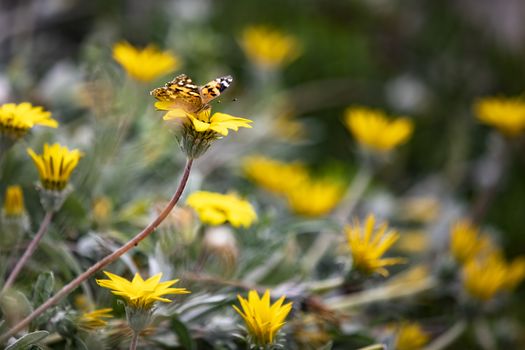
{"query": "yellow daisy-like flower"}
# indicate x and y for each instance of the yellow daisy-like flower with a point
(466, 241)
(373, 130)
(14, 201)
(204, 121)
(94, 319)
(55, 165)
(505, 114)
(262, 318)
(484, 278)
(200, 129)
(268, 47)
(216, 208)
(368, 245)
(139, 293)
(411, 336)
(315, 197)
(145, 64)
(273, 175)
(17, 119)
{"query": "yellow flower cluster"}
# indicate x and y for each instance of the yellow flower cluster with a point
(17, 119)
(144, 64)
(269, 48)
(262, 318)
(375, 131)
(216, 208)
(139, 293)
(411, 336)
(14, 201)
(505, 114)
(305, 194)
(368, 244)
(55, 165)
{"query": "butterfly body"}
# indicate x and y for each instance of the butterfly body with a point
(182, 93)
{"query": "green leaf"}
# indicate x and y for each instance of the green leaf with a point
(43, 288)
(183, 334)
(27, 340)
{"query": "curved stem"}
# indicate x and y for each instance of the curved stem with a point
(68, 288)
(29, 251)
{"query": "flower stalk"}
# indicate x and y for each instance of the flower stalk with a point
(134, 341)
(29, 251)
(68, 288)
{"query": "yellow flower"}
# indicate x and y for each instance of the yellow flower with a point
(505, 114)
(14, 201)
(200, 129)
(269, 48)
(144, 64)
(367, 246)
(466, 241)
(515, 273)
(263, 319)
(411, 336)
(94, 319)
(373, 130)
(216, 208)
(483, 278)
(55, 165)
(16, 120)
(204, 121)
(138, 293)
(315, 197)
(273, 175)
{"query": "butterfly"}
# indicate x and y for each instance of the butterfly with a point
(182, 93)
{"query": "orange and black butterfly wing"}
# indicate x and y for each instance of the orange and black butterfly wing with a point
(182, 92)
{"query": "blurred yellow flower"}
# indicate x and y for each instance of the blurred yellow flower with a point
(466, 241)
(55, 165)
(144, 64)
(411, 336)
(14, 201)
(484, 278)
(216, 208)
(413, 241)
(263, 319)
(367, 246)
(268, 47)
(375, 131)
(315, 197)
(102, 210)
(17, 119)
(515, 273)
(273, 175)
(94, 319)
(505, 114)
(139, 293)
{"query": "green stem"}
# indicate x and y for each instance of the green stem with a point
(68, 288)
(29, 251)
